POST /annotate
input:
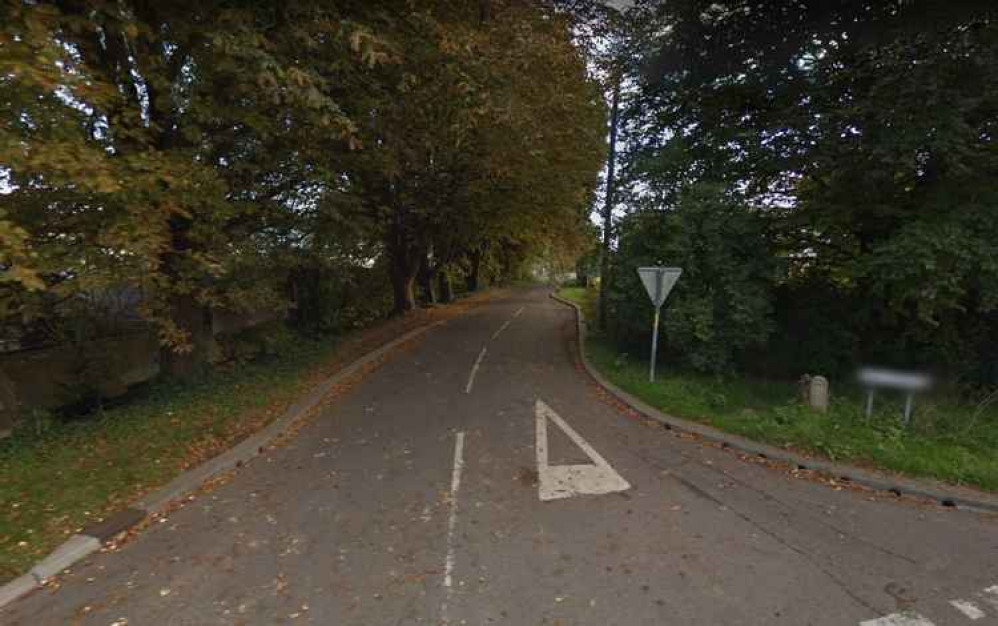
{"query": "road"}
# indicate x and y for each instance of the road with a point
(417, 499)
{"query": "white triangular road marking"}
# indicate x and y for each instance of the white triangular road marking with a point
(990, 595)
(969, 609)
(908, 618)
(564, 481)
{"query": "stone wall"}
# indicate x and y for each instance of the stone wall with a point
(230, 322)
(58, 376)
(52, 377)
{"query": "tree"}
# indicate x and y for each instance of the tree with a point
(464, 156)
(148, 147)
(862, 133)
(206, 155)
(723, 303)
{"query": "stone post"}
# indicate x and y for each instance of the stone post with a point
(818, 393)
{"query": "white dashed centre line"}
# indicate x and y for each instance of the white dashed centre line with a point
(455, 487)
(474, 370)
(907, 618)
(518, 311)
(501, 328)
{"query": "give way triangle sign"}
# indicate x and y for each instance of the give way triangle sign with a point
(658, 282)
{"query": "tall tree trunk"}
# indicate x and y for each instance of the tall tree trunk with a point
(581, 273)
(404, 270)
(446, 290)
(189, 315)
(405, 259)
(307, 313)
(426, 276)
(611, 172)
(403, 281)
(195, 319)
(474, 273)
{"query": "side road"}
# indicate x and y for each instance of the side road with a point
(384, 340)
(942, 493)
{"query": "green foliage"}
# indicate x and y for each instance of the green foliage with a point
(580, 296)
(817, 326)
(338, 299)
(949, 440)
(200, 154)
(265, 340)
(721, 304)
(148, 146)
(863, 134)
(487, 142)
(61, 475)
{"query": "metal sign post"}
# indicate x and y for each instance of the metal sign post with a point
(909, 382)
(654, 347)
(658, 282)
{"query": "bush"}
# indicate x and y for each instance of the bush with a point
(722, 303)
(268, 339)
(329, 300)
(818, 329)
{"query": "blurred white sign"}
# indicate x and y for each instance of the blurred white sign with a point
(893, 379)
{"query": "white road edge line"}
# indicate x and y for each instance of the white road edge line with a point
(518, 311)
(968, 608)
(501, 328)
(908, 618)
(474, 370)
(455, 486)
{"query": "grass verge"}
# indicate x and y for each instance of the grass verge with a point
(948, 440)
(57, 480)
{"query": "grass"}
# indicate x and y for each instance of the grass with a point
(585, 298)
(948, 440)
(59, 476)
(74, 472)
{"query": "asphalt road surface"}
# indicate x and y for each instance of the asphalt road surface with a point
(480, 478)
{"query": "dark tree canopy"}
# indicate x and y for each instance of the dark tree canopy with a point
(204, 154)
(862, 135)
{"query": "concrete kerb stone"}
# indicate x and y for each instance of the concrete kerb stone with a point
(117, 523)
(73, 550)
(947, 495)
(17, 588)
(82, 545)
